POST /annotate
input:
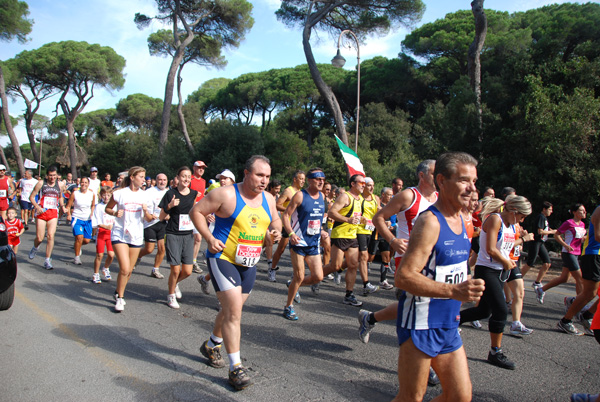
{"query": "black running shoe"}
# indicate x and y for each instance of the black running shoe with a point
(239, 378)
(500, 360)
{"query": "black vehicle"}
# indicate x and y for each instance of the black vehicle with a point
(8, 270)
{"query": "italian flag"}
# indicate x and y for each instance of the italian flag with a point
(352, 162)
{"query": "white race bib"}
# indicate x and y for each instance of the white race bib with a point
(517, 251)
(247, 255)
(50, 203)
(579, 233)
(185, 223)
(3, 193)
(509, 242)
(313, 228)
(369, 225)
(452, 274)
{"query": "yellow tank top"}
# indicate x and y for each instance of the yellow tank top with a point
(369, 209)
(344, 230)
(294, 191)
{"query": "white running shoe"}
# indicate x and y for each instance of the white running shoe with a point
(77, 260)
(48, 263)
(178, 292)
(106, 273)
(119, 305)
(203, 284)
(385, 285)
(33, 253)
(156, 274)
(172, 301)
(96, 278)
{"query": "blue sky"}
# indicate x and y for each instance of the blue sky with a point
(268, 45)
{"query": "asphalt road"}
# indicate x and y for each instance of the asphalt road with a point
(62, 341)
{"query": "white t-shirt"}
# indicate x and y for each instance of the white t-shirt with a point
(100, 216)
(27, 186)
(95, 185)
(155, 195)
(130, 227)
(82, 205)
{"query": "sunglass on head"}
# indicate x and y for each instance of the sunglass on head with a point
(360, 182)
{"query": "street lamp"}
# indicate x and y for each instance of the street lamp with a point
(339, 61)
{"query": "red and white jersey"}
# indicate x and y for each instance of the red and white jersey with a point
(408, 217)
(13, 228)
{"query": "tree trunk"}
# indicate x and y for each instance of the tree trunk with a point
(3, 157)
(180, 113)
(475, 58)
(31, 136)
(9, 127)
(324, 89)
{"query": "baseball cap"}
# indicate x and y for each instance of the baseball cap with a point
(94, 169)
(200, 164)
(368, 180)
(226, 173)
(2, 167)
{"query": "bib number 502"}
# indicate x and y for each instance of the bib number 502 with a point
(455, 279)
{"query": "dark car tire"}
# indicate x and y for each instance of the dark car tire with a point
(7, 297)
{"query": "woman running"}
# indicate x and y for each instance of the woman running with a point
(494, 266)
(83, 202)
(570, 236)
(179, 244)
(128, 206)
(104, 223)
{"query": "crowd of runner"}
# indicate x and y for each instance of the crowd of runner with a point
(451, 246)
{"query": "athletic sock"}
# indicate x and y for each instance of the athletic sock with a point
(214, 341)
(348, 293)
(565, 321)
(494, 350)
(586, 315)
(365, 284)
(371, 319)
(234, 360)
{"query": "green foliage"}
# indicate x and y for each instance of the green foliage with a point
(13, 21)
(287, 153)
(139, 111)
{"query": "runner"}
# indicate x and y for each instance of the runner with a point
(369, 206)
(95, 182)
(198, 184)
(46, 213)
(83, 202)
(14, 229)
(397, 185)
(243, 214)
(346, 212)
(570, 236)
(325, 239)
(7, 191)
(26, 185)
(104, 223)
(537, 246)
(590, 274)
(107, 182)
(177, 204)
(302, 219)
(155, 230)
(433, 275)
(274, 188)
(129, 206)
(494, 266)
(379, 243)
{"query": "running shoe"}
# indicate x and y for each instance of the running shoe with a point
(337, 278)
(77, 260)
(297, 297)
(329, 277)
(385, 285)
(568, 328)
(213, 355)
(352, 301)
(203, 284)
(500, 360)
(290, 314)
(583, 397)
(106, 273)
(315, 288)
(364, 328)
(269, 265)
(178, 292)
(369, 288)
(119, 305)
(476, 324)
(33, 253)
(239, 378)
(172, 301)
(517, 328)
(390, 270)
(539, 294)
(587, 326)
(48, 263)
(26, 226)
(196, 268)
(271, 273)
(433, 378)
(568, 301)
(535, 285)
(96, 278)
(156, 274)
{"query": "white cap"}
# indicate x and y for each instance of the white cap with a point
(2, 167)
(226, 173)
(368, 180)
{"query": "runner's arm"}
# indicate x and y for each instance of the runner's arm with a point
(287, 215)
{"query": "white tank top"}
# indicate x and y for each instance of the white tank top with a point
(504, 243)
(82, 205)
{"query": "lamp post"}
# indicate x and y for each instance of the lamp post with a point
(339, 61)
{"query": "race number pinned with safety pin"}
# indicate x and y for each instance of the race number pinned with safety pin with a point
(3, 193)
(50, 203)
(452, 274)
(369, 225)
(314, 227)
(247, 255)
(185, 223)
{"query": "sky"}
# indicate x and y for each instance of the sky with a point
(268, 45)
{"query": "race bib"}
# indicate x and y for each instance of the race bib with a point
(50, 203)
(3, 193)
(517, 251)
(369, 225)
(108, 219)
(314, 227)
(509, 242)
(247, 255)
(579, 233)
(452, 274)
(185, 223)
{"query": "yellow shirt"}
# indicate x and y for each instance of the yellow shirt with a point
(345, 230)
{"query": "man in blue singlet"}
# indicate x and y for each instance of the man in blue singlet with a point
(302, 219)
(433, 275)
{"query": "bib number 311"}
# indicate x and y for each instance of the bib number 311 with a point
(246, 255)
